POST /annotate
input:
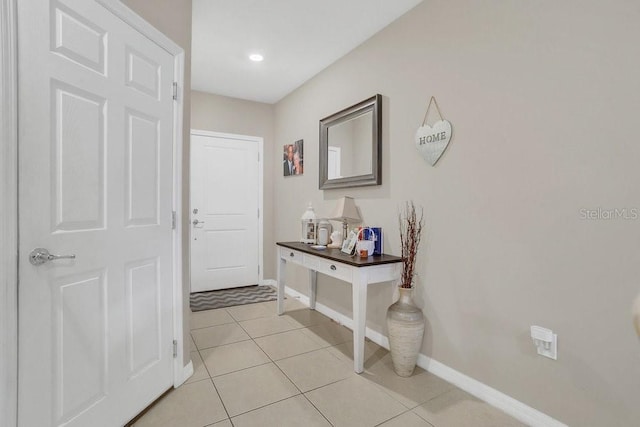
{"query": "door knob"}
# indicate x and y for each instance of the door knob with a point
(196, 222)
(39, 256)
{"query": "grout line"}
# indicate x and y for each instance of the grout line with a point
(211, 379)
(298, 388)
(211, 326)
(294, 384)
(268, 404)
(422, 418)
(272, 361)
(240, 370)
(275, 361)
(196, 382)
(300, 354)
(274, 364)
(399, 415)
(221, 401)
(316, 408)
(220, 345)
(226, 344)
(328, 384)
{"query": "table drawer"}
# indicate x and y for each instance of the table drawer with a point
(311, 262)
(334, 269)
(291, 255)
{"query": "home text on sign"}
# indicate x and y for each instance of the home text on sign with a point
(433, 138)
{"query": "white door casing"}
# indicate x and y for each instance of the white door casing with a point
(96, 169)
(333, 162)
(8, 215)
(226, 204)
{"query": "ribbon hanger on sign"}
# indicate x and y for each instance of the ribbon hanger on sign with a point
(433, 140)
(432, 101)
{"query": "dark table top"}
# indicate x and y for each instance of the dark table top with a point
(339, 256)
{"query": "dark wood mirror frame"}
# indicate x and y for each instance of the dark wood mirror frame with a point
(374, 105)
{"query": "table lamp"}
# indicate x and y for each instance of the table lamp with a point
(346, 212)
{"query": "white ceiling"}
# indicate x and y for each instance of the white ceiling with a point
(298, 39)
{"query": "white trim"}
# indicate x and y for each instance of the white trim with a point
(140, 25)
(269, 282)
(260, 141)
(8, 215)
(507, 404)
(186, 372)
(340, 318)
(179, 366)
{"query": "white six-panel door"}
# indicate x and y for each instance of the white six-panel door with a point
(96, 141)
(225, 187)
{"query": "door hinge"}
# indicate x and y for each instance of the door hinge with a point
(173, 220)
(258, 269)
(258, 212)
(175, 91)
(258, 157)
(175, 348)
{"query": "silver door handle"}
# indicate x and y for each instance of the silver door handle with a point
(196, 222)
(39, 256)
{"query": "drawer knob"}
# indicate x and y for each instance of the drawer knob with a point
(333, 267)
(291, 254)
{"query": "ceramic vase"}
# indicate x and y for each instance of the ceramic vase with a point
(405, 323)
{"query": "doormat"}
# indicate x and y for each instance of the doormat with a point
(230, 297)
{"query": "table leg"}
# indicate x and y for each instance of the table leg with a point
(313, 280)
(359, 318)
(282, 272)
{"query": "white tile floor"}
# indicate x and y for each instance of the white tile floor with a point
(254, 368)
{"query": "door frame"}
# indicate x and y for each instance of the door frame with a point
(8, 214)
(260, 143)
(9, 185)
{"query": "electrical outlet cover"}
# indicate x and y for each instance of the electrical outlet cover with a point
(552, 351)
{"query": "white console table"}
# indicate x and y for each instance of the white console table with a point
(360, 272)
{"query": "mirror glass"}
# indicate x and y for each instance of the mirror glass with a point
(350, 146)
(349, 152)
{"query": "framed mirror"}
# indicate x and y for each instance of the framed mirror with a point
(351, 146)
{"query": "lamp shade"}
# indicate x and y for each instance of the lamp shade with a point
(346, 210)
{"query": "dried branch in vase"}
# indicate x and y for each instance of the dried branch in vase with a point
(410, 233)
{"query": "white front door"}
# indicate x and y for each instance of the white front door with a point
(96, 141)
(225, 188)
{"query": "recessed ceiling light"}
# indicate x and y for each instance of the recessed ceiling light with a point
(256, 57)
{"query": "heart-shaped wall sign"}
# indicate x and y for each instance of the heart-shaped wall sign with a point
(431, 141)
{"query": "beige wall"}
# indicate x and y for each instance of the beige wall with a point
(230, 115)
(173, 18)
(543, 97)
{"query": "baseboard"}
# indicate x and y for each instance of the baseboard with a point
(268, 282)
(340, 318)
(187, 371)
(297, 295)
(507, 404)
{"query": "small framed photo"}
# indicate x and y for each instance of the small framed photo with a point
(349, 244)
(293, 158)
